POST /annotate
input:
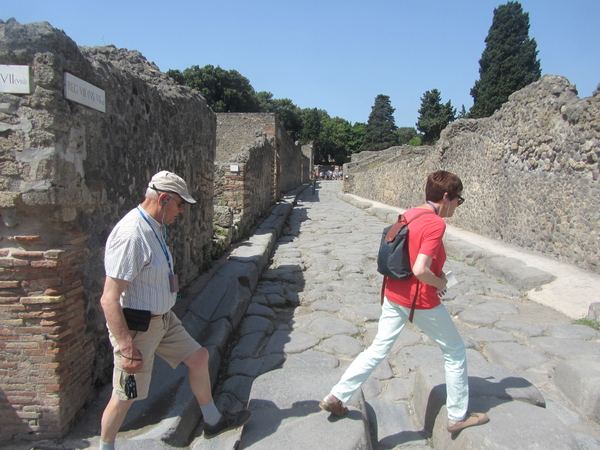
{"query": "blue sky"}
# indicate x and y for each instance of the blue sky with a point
(332, 54)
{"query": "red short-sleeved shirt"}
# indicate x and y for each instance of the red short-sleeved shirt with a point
(424, 236)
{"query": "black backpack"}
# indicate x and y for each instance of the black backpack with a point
(393, 260)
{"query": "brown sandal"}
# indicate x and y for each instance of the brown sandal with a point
(334, 407)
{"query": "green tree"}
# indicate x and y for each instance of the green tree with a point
(224, 90)
(508, 62)
(333, 140)
(381, 126)
(405, 134)
(357, 137)
(434, 116)
(311, 124)
(287, 112)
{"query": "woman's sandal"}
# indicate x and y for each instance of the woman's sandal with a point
(334, 407)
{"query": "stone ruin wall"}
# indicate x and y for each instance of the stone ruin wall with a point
(269, 163)
(530, 171)
(68, 173)
(244, 196)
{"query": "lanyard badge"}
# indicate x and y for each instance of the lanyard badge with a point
(173, 279)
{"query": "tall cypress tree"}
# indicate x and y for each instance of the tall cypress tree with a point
(381, 126)
(508, 63)
(434, 116)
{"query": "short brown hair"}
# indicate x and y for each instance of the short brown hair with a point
(440, 182)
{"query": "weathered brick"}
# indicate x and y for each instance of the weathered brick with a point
(6, 262)
(54, 254)
(9, 284)
(44, 263)
(26, 254)
(27, 239)
(42, 299)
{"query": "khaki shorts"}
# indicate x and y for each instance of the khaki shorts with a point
(165, 337)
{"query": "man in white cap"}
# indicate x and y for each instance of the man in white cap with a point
(139, 291)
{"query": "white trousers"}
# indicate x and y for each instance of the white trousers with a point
(438, 325)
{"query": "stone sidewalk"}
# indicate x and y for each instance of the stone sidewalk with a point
(315, 307)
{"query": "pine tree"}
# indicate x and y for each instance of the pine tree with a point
(381, 126)
(508, 63)
(434, 116)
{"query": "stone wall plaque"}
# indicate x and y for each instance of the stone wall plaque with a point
(14, 79)
(83, 92)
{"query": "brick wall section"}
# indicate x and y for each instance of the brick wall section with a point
(44, 372)
(531, 172)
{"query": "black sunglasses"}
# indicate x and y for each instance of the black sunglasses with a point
(460, 199)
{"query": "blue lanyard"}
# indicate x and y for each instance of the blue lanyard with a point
(163, 247)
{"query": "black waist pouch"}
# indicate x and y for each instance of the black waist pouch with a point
(137, 319)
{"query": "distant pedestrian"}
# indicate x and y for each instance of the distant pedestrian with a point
(314, 183)
(139, 292)
(423, 290)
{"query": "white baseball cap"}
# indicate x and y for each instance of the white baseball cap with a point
(166, 181)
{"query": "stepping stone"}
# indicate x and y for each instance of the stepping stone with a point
(579, 380)
(485, 380)
(512, 425)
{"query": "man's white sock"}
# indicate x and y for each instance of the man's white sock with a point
(106, 446)
(210, 413)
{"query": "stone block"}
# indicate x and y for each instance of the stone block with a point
(579, 380)
(512, 425)
(485, 380)
(594, 312)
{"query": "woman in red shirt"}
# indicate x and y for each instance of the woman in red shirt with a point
(427, 257)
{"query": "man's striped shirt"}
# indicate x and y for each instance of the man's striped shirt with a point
(133, 253)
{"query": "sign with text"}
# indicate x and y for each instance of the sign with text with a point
(83, 92)
(14, 79)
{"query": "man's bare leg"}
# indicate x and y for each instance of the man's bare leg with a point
(113, 417)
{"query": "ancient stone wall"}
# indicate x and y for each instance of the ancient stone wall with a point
(68, 173)
(237, 130)
(530, 171)
(244, 183)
